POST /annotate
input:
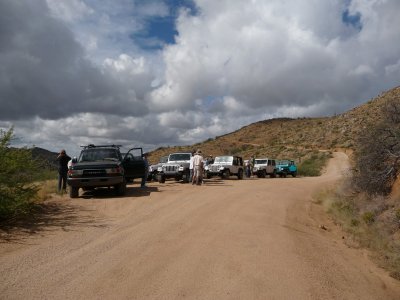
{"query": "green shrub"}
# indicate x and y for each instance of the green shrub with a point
(17, 174)
(313, 166)
(368, 217)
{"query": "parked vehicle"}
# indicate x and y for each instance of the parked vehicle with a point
(153, 169)
(286, 167)
(225, 166)
(176, 167)
(104, 166)
(264, 166)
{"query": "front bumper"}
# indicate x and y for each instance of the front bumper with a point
(95, 181)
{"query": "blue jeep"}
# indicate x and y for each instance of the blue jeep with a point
(285, 167)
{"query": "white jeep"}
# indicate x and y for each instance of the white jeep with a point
(264, 166)
(225, 166)
(176, 167)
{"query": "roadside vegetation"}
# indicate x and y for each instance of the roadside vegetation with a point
(21, 179)
(314, 164)
(367, 206)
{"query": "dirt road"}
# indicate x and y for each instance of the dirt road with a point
(249, 239)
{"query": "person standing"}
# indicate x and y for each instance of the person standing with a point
(191, 166)
(248, 168)
(146, 170)
(63, 160)
(198, 168)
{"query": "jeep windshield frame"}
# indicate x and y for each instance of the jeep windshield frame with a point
(261, 161)
(179, 157)
(223, 159)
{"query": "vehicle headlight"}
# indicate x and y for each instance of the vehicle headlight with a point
(159, 169)
(73, 173)
(206, 168)
(221, 168)
(180, 168)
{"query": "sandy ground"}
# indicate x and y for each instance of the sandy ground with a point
(248, 239)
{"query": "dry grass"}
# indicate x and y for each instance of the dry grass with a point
(371, 222)
(46, 188)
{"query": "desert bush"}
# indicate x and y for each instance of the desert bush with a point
(377, 162)
(17, 171)
(368, 217)
(313, 165)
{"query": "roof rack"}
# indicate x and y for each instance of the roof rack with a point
(100, 146)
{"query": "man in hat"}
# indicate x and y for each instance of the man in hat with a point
(198, 168)
(63, 160)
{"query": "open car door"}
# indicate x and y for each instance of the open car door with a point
(133, 164)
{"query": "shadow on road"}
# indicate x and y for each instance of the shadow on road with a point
(47, 217)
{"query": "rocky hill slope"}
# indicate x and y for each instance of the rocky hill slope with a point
(292, 138)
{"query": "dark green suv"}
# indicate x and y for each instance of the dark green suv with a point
(104, 166)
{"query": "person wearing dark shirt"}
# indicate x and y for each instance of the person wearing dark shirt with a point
(63, 160)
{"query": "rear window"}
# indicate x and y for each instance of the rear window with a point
(89, 155)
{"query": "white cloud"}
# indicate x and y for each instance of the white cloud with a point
(234, 63)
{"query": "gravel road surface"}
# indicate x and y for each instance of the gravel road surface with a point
(231, 239)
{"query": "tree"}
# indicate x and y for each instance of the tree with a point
(17, 169)
(378, 152)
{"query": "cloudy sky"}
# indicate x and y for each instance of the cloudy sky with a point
(176, 72)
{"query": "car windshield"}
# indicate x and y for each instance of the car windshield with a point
(179, 156)
(89, 155)
(284, 162)
(223, 159)
(261, 161)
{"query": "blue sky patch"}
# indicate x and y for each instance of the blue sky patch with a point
(353, 20)
(161, 30)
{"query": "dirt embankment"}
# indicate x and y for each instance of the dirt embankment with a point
(248, 239)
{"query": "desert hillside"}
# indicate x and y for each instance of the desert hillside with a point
(292, 138)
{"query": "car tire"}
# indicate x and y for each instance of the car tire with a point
(73, 192)
(120, 189)
(240, 174)
(161, 179)
(227, 174)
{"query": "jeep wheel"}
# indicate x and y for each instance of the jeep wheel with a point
(161, 179)
(264, 174)
(227, 174)
(208, 175)
(73, 192)
(294, 174)
(120, 189)
(273, 174)
(240, 174)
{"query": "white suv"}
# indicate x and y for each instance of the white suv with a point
(264, 166)
(225, 166)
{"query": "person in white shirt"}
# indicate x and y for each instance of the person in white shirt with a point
(198, 168)
(191, 166)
